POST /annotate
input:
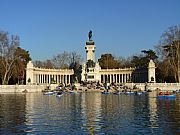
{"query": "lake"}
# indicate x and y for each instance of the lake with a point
(89, 113)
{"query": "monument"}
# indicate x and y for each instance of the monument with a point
(91, 68)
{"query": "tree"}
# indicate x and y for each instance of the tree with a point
(8, 46)
(149, 55)
(23, 57)
(124, 62)
(13, 59)
(169, 50)
(108, 61)
(142, 60)
(61, 60)
(43, 64)
(77, 68)
(65, 59)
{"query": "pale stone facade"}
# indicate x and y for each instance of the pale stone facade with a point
(90, 50)
(92, 73)
(151, 72)
(126, 75)
(36, 75)
(116, 76)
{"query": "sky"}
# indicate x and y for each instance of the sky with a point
(120, 27)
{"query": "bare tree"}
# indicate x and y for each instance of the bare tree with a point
(169, 49)
(61, 60)
(43, 64)
(66, 59)
(8, 46)
(75, 58)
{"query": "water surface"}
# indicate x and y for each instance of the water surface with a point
(88, 113)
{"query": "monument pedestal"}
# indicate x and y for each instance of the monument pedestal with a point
(77, 85)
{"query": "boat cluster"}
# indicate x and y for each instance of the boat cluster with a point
(105, 89)
(126, 92)
(58, 91)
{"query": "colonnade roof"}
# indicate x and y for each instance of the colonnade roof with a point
(117, 70)
(53, 70)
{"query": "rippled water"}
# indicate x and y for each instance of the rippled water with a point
(88, 113)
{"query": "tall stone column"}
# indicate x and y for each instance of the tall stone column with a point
(29, 73)
(151, 72)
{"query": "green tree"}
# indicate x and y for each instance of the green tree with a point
(149, 55)
(23, 57)
(107, 61)
(77, 68)
(142, 60)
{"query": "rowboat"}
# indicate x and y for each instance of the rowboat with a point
(104, 92)
(139, 93)
(117, 93)
(166, 96)
(130, 92)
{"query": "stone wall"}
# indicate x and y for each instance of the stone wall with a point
(154, 86)
(21, 88)
(39, 88)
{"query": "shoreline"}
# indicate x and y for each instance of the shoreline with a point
(39, 88)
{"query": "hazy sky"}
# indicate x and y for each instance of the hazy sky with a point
(120, 27)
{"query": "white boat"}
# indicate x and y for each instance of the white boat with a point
(129, 92)
(59, 95)
(49, 93)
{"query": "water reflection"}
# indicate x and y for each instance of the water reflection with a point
(88, 113)
(12, 113)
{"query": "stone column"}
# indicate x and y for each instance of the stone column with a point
(43, 79)
(110, 80)
(102, 81)
(48, 79)
(34, 78)
(125, 78)
(69, 79)
(122, 78)
(151, 72)
(29, 72)
(116, 78)
(37, 78)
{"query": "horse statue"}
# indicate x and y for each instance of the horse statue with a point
(90, 35)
